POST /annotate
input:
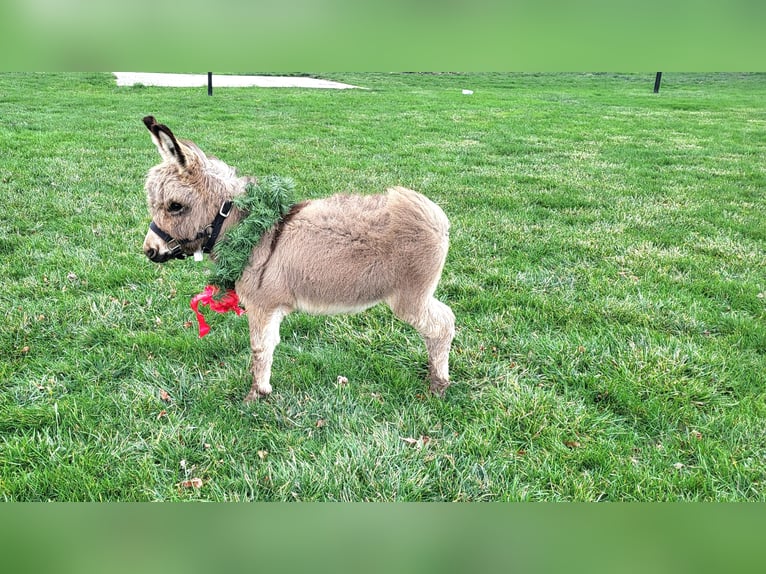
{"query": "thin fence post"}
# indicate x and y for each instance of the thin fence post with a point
(657, 80)
(210, 83)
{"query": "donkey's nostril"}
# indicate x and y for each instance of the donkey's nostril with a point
(151, 253)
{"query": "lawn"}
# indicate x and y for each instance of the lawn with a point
(607, 271)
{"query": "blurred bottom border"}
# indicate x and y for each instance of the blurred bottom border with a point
(399, 537)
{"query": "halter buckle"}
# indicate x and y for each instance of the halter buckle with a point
(174, 246)
(227, 206)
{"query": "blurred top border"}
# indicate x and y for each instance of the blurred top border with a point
(396, 35)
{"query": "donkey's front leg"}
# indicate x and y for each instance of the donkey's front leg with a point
(264, 337)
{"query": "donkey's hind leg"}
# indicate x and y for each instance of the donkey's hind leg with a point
(436, 324)
(264, 337)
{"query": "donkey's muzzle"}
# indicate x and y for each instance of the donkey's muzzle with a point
(160, 251)
(160, 246)
(156, 256)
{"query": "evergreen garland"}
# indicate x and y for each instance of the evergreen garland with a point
(264, 203)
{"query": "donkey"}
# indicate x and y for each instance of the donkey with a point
(341, 254)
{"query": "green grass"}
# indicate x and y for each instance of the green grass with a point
(606, 270)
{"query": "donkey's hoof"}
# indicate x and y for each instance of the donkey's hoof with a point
(257, 394)
(438, 387)
(254, 397)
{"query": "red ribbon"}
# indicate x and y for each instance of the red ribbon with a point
(220, 304)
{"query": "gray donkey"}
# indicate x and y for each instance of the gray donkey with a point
(341, 254)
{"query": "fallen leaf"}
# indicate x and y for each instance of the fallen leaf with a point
(628, 275)
(320, 423)
(678, 465)
(572, 444)
(25, 349)
(187, 324)
(696, 434)
(262, 454)
(418, 443)
(521, 452)
(342, 381)
(164, 396)
(162, 413)
(192, 483)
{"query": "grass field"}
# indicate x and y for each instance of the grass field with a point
(607, 271)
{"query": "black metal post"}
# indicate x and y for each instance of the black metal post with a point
(210, 83)
(657, 81)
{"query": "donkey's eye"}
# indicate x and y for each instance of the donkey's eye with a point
(175, 207)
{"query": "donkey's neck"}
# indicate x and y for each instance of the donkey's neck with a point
(236, 215)
(256, 210)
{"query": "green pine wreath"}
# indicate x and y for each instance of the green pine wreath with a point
(264, 203)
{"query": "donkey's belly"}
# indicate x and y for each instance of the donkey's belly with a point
(323, 308)
(323, 286)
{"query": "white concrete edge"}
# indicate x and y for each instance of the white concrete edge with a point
(223, 81)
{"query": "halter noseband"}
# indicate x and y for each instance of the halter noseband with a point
(211, 232)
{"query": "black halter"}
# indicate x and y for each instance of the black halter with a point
(211, 232)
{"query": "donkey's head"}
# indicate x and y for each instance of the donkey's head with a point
(189, 197)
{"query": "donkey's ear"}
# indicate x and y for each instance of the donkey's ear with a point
(166, 142)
